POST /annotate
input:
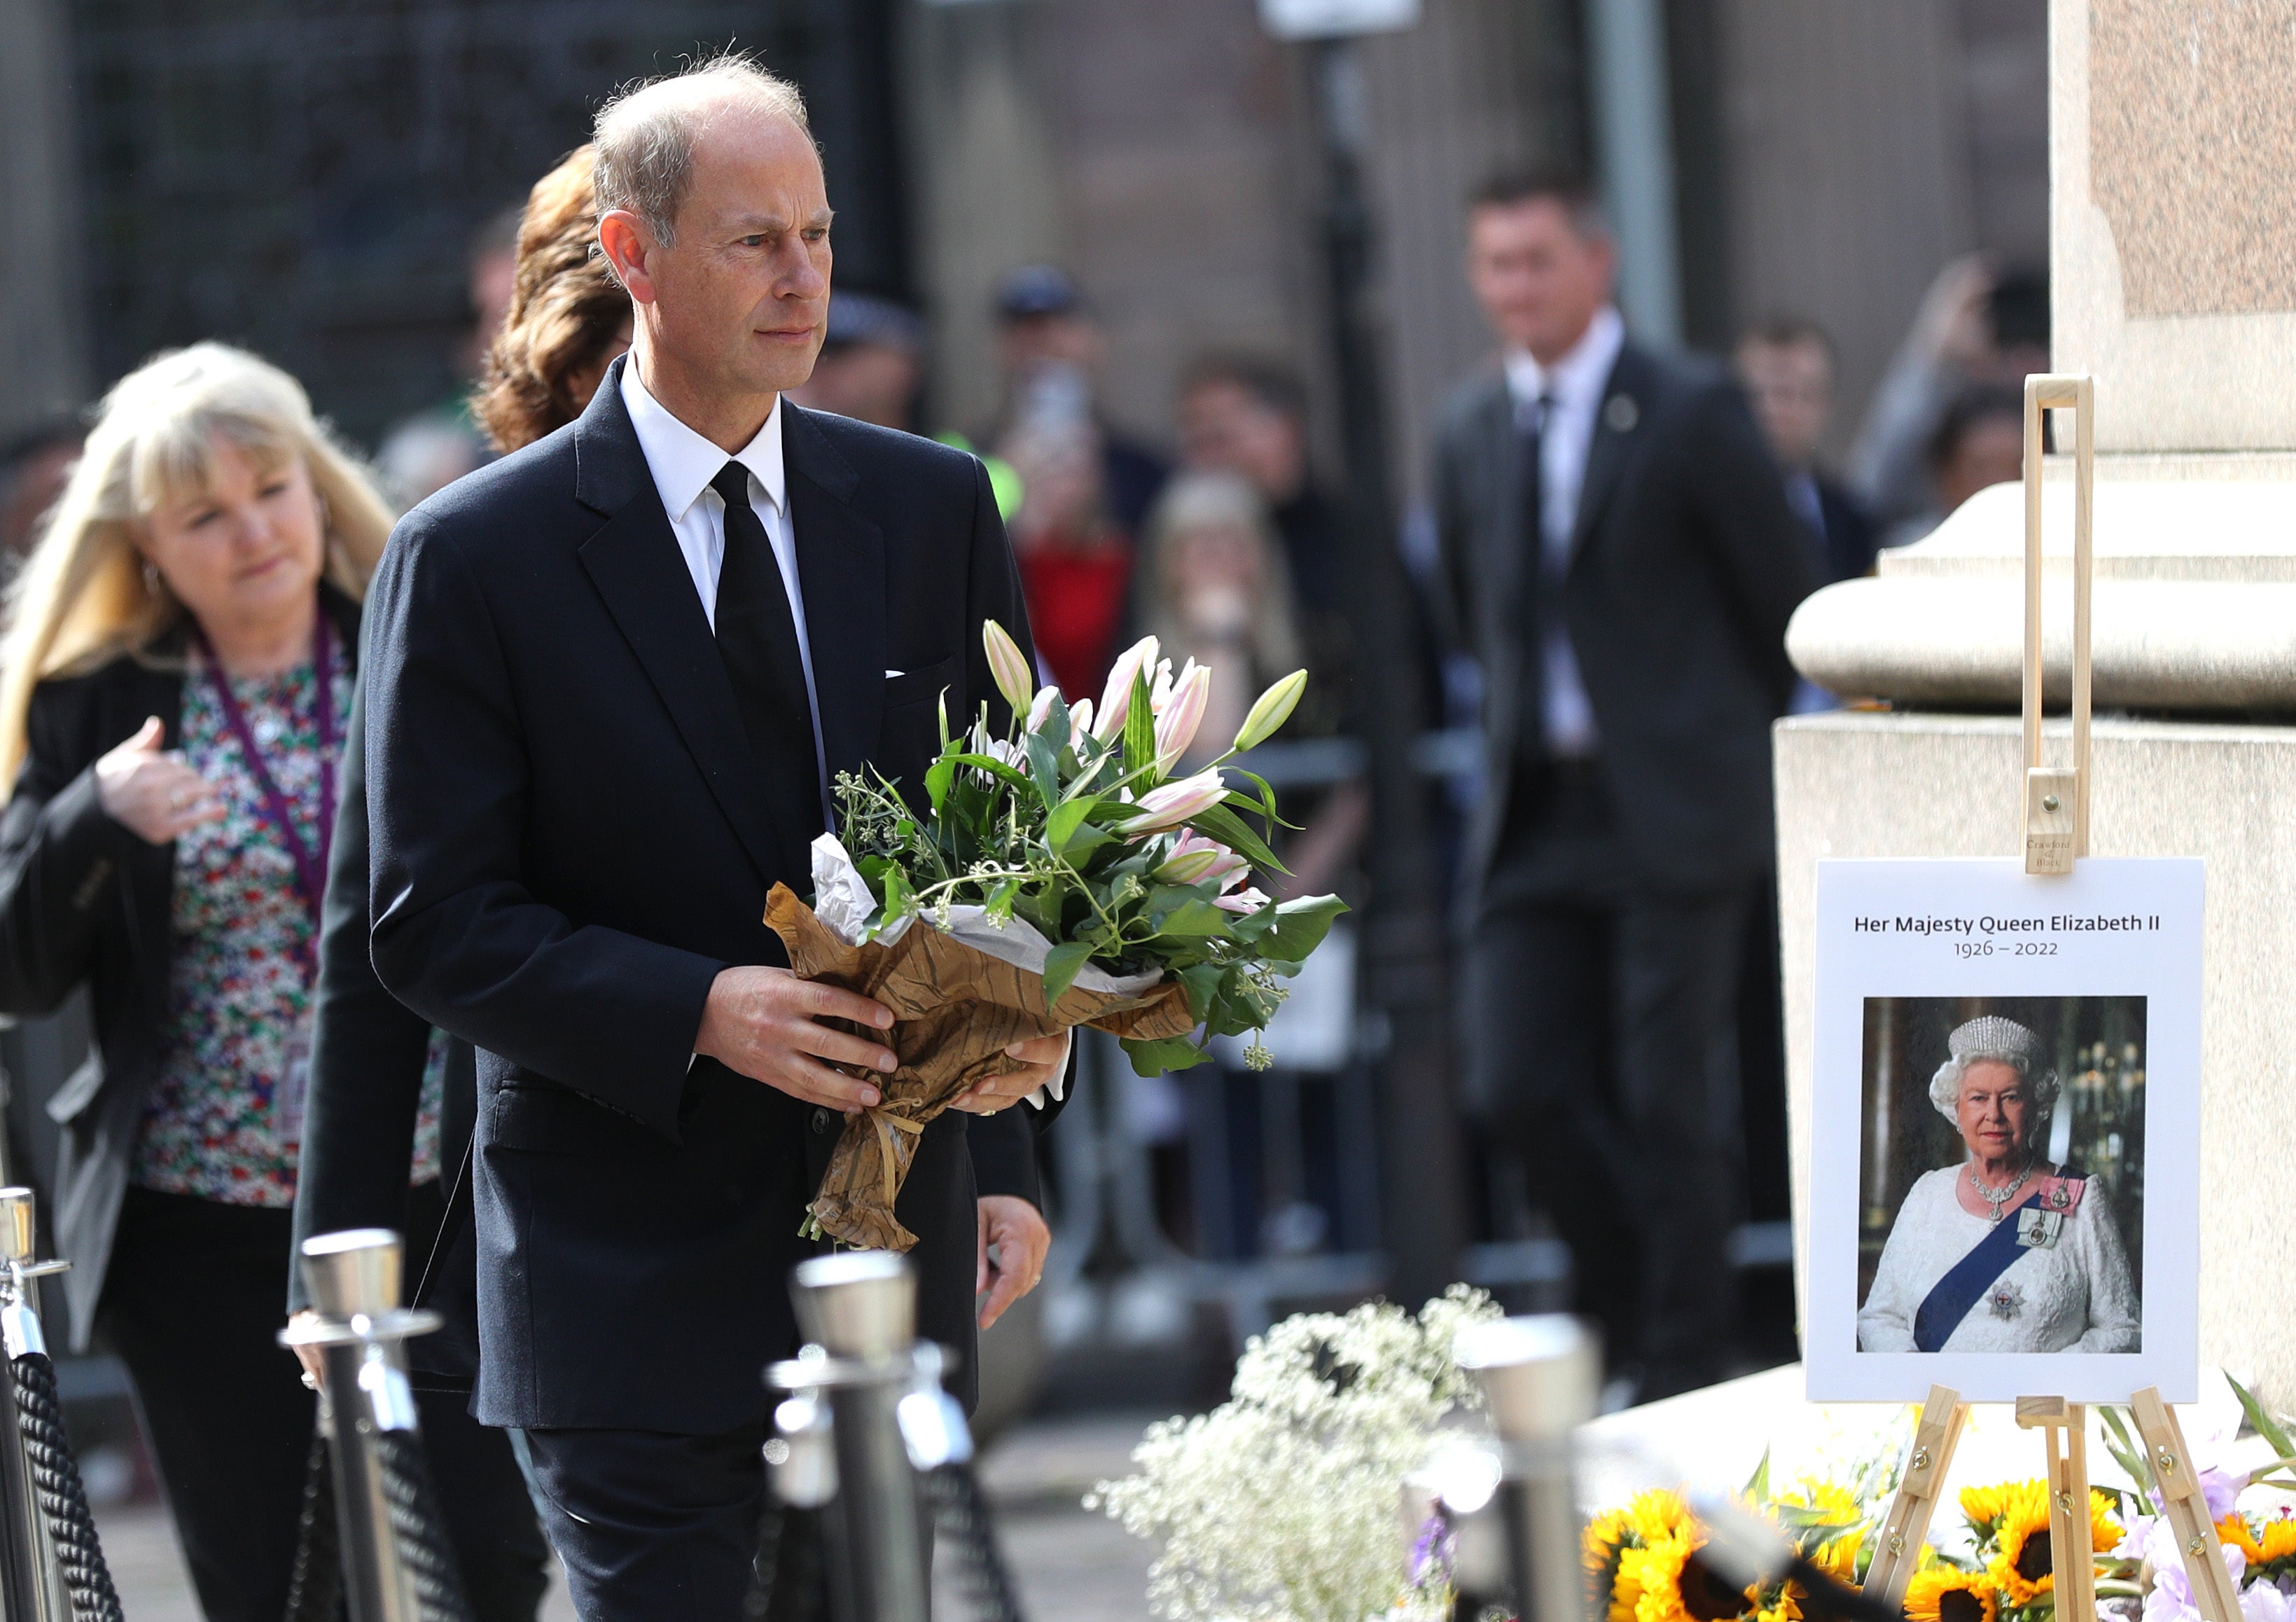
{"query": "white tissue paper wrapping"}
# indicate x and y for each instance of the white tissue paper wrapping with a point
(842, 902)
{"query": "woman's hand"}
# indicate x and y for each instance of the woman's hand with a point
(146, 789)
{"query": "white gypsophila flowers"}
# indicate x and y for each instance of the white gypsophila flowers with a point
(1280, 1505)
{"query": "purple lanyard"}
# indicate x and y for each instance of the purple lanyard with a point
(310, 866)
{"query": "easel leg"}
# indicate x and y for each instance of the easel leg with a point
(1898, 1547)
(2214, 1593)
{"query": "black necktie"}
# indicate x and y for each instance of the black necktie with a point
(757, 637)
(1541, 583)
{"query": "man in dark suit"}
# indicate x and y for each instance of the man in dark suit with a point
(1620, 557)
(611, 679)
(1787, 366)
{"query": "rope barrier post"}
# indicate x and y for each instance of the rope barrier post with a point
(45, 1495)
(858, 1311)
(397, 1567)
(1541, 1379)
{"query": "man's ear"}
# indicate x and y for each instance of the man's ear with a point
(628, 247)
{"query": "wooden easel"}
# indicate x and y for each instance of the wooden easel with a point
(2056, 833)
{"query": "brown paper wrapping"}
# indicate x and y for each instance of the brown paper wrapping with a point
(956, 1009)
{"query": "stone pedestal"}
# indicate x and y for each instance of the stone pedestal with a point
(2174, 277)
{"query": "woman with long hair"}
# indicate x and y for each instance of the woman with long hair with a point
(567, 316)
(175, 685)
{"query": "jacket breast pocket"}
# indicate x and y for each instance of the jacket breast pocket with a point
(924, 685)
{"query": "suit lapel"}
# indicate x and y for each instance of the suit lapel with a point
(1626, 406)
(635, 563)
(840, 565)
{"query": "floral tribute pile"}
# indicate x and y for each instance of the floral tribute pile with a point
(1281, 1504)
(1642, 1560)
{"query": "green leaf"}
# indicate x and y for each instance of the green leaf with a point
(994, 767)
(1196, 916)
(1218, 822)
(1757, 1486)
(938, 778)
(1139, 727)
(1165, 1055)
(1061, 827)
(1062, 966)
(2263, 1423)
(1085, 840)
(1044, 770)
(1202, 981)
(2124, 1449)
(1300, 927)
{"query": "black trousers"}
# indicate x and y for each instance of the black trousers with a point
(652, 1526)
(192, 1303)
(1602, 1014)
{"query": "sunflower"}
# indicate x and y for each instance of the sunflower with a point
(1947, 1594)
(1985, 1506)
(2265, 1545)
(1671, 1584)
(1827, 1525)
(2022, 1563)
(1652, 1519)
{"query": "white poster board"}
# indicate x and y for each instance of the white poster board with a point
(1987, 1040)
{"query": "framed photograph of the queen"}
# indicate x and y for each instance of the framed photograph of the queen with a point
(2004, 1132)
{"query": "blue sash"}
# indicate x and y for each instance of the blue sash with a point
(1948, 1303)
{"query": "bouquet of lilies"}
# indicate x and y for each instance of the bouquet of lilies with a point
(1070, 830)
(1053, 876)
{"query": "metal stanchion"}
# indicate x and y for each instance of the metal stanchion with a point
(393, 1566)
(30, 1586)
(868, 1434)
(1540, 1378)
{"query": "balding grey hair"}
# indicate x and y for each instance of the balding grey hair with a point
(645, 135)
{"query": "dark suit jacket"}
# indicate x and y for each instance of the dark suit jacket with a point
(570, 840)
(1846, 550)
(82, 899)
(367, 1056)
(1686, 565)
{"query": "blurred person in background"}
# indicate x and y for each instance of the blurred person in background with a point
(1978, 325)
(373, 1061)
(871, 363)
(1075, 559)
(1249, 416)
(177, 675)
(1619, 555)
(1214, 585)
(438, 445)
(1980, 442)
(1051, 350)
(33, 468)
(566, 320)
(1787, 368)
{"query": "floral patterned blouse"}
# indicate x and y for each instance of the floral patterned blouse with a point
(239, 991)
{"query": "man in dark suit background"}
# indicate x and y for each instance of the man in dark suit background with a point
(611, 679)
(1621, 559)
(1787, 366)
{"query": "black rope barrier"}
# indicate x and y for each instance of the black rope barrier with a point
(314, 1590)
(961, 1514)
(413, 1504)
(787, 1584)
(63, 1497)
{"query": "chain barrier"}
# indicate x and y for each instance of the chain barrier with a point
(315, 1589)
(62, 1496)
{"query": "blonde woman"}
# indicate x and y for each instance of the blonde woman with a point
(178, 677)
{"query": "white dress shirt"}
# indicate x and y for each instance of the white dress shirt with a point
(1573, 388)
(683, 462)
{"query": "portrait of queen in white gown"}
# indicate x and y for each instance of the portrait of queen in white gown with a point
(2002, 1251)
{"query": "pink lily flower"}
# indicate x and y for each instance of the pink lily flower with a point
(1116, 697)
(1196, 859)
(1041, 711)
(1246, 900)
(1181, 714)
(1079, 722)
(1170, 804)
